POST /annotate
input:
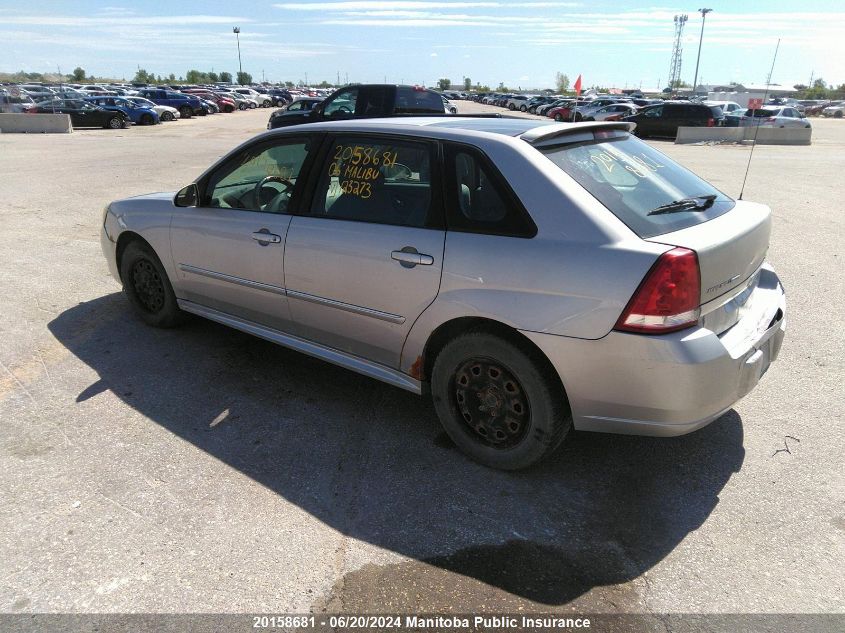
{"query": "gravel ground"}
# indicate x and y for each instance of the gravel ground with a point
(203, 470)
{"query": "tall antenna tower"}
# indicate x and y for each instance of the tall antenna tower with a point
(677, 50)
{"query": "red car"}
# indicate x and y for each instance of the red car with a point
(562, 113)
(224, 103)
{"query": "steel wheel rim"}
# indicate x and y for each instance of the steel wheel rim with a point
(491, 404)
(148, 286)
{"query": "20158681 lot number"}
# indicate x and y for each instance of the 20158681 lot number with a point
(282, 621)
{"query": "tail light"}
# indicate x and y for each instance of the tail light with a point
(669, 297)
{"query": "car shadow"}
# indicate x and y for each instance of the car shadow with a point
(372, 462)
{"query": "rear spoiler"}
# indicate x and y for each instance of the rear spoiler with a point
(546, 135)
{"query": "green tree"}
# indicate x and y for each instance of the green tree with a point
(225, 77)
(78, 74)
(143, 77)
(193, 77)
(289, 84)
(444, 83)
(562, 82)
(244, 79)
(213, 78)
(467, 83)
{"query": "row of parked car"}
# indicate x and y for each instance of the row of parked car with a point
(118, 106)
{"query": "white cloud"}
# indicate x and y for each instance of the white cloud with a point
(433, 55)
(401, 4)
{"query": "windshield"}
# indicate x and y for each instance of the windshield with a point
(632, 179)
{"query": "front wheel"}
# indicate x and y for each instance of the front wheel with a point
(186, 111)
(147, 287)
(166, 116)
(558, 117)
(523, 108)
(497, 402)
(147, 119)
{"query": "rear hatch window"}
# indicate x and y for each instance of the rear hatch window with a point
(645, 189)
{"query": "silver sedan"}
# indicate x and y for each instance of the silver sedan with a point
(532, 278)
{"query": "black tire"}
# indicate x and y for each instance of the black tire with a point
(511, 107)
(252, 105)
(203, 112)
(527, 415)
(523, 108)
(578, 117)
(147, 119)
(114, 123)
(228, 109)
(558, 117)
(242, 106)
(166, 116)
(837, 114)
(186, 111)
(147, 287)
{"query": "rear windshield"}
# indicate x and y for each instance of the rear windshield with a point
(760, 113)
(631, 179)
(416, 101)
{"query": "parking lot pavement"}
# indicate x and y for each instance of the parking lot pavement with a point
(203, 470)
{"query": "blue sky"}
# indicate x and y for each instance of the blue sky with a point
(520, 43)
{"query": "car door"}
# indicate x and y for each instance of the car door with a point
(649, 120)
(229, 251)
(365, 261)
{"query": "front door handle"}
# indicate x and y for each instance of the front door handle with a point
(265, 237)
(409, 257)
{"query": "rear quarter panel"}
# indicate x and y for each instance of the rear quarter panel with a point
(572, 279)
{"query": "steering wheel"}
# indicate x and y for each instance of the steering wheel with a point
(398, 171)
(256, 192)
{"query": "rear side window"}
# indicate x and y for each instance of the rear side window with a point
(378, 180)
(418, 101)
(480, 200)
(634, 181)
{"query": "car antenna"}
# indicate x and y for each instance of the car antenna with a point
(757, 127)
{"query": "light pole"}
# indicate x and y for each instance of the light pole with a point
(704, 13)
(237, 30)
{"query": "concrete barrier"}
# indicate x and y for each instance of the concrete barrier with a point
(707, 134)
(765, 135)
(781, 135)
(35, 123)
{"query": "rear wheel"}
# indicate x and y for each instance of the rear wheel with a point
(114, 123)
(837, 114)
(147, 287)
(523, 108)
(242, 106)
(497, 402)
(186, 112)
(228, 109)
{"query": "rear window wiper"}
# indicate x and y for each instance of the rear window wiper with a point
(694, 203)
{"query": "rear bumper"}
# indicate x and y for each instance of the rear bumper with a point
(671, 384)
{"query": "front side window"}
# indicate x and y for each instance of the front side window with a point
(654, 113)
(376, 180)
(642, 187)
(259, 179)
(343, 104)
(295, 106)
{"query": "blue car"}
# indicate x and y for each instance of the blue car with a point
(188, 105)
(137, 114)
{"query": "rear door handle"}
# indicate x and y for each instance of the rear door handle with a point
(265, 237)
(409, 257)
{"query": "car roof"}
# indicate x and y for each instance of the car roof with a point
(530, 130)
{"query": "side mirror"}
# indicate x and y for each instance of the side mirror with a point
(187, 196)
